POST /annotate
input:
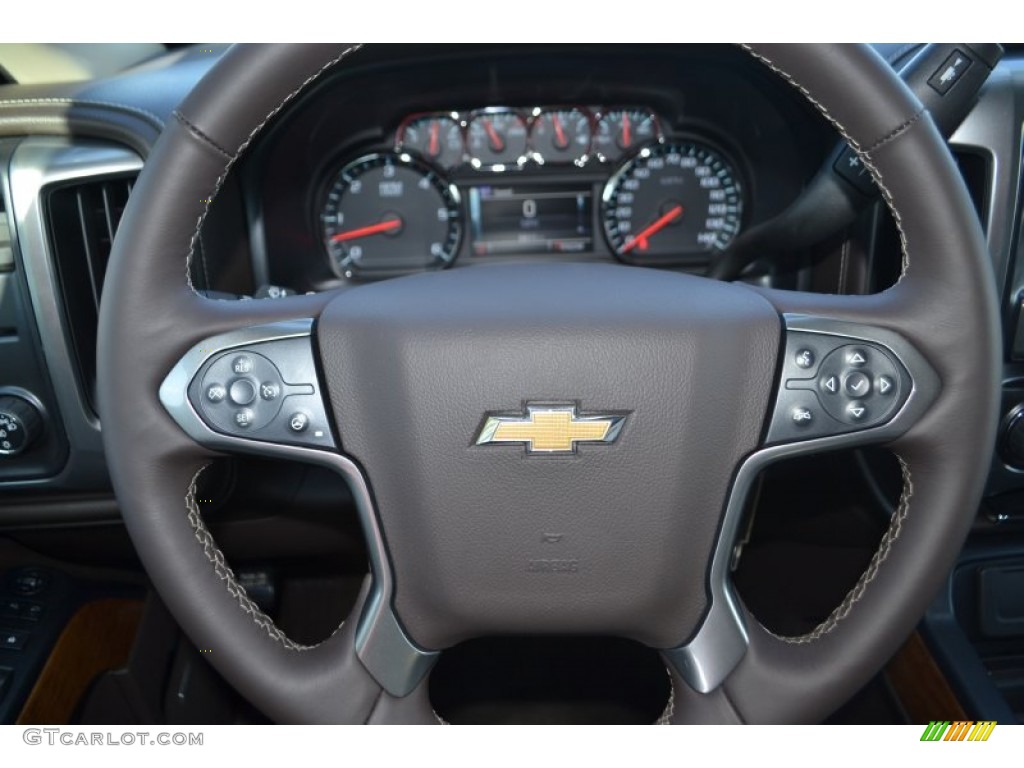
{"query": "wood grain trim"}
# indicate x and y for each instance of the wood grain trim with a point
(920, 685)
(98, 638)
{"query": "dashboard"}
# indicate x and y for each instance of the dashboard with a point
(451, 159)
(481, 156)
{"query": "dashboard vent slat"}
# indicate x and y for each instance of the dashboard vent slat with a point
(88, 239)
(83, 220)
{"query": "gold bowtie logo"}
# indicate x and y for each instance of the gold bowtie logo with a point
(551, 429)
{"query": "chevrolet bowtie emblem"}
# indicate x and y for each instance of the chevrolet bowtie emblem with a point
(551, 429)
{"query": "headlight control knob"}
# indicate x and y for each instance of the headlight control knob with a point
(20, 424)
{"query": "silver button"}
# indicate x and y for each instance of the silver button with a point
(804, 358)
(216, 392)
(242, 364)
(243, 392)
(802, 417)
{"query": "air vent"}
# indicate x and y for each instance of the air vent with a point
(83, 219)
(975, 170)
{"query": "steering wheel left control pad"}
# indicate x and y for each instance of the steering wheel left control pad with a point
(265, 391)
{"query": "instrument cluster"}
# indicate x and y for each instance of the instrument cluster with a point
(570, 181)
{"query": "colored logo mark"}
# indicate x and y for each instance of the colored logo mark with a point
(958, 730)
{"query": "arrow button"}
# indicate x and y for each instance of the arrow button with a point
(856, 357)
(830, 385)
(856, 411)
(885, 385)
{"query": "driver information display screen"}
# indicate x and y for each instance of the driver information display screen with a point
(516, 219)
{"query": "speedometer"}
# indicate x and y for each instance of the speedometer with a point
(674, 202)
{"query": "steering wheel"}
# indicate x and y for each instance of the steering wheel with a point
(549, 448)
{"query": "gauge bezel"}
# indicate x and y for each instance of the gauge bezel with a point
(579, 159)
(475, 162)
(449, 192)
(454, 115)
(687, 258)
(603, 112)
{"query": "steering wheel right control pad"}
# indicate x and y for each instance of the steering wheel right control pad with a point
(834, 385)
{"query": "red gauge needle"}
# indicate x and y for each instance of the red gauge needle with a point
(627, 139)
(560, 140)
(496, 143)
(641, 239)
(374, 229)
(434, 128)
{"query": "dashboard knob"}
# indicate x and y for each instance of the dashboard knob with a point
(20, 424)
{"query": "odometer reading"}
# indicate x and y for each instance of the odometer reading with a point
(672, 202)
(389, 213)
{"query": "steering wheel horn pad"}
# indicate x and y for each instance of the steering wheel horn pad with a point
(411, 369)
(414, 365)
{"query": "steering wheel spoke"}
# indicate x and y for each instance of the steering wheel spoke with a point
(256, 390)
(841, 384)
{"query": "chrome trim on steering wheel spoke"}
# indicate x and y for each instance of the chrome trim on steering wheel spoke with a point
(383, 647)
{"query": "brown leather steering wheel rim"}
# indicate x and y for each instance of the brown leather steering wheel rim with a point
(945, 304)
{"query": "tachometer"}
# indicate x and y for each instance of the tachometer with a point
(388, 213)
(673, 202)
